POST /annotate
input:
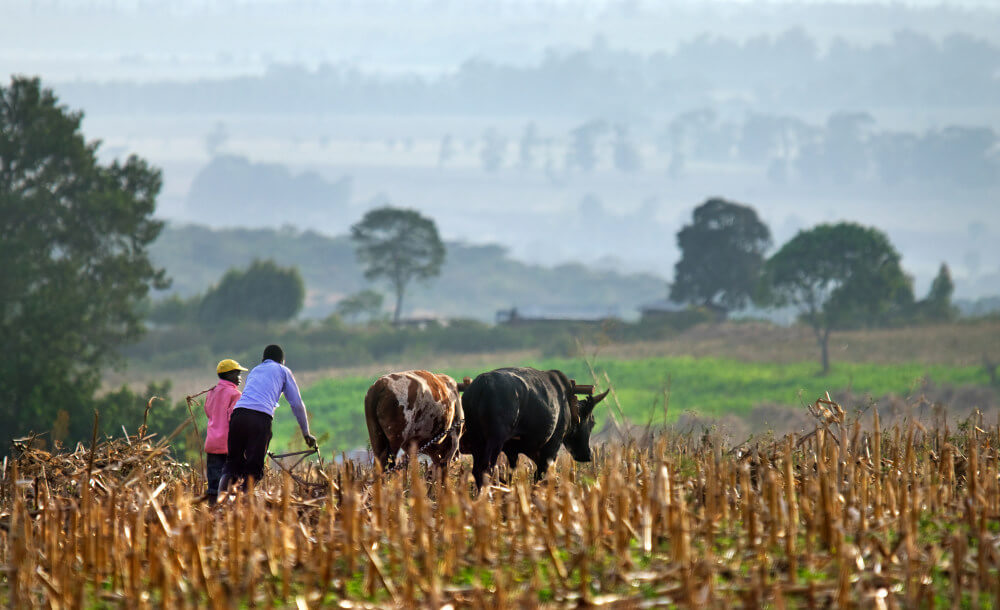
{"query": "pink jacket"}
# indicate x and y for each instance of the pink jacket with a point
(218, 407)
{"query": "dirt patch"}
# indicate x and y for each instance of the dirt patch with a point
(961, 344)
(931, 405)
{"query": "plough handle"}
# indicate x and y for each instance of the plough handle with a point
(284, 455)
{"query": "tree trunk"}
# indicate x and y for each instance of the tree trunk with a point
(824, 346)
(991, 369)
(399, 305)
(720, 312)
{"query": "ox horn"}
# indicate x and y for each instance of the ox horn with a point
(588, 404)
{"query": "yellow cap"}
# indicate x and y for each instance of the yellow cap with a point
(228, 365)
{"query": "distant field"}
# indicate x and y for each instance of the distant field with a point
(707, 386)
(960, 344)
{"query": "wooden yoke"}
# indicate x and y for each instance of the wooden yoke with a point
(582, 389)
(577, 389)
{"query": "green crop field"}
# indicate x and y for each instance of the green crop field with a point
(706, 386)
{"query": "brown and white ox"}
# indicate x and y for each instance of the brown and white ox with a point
(414, 408)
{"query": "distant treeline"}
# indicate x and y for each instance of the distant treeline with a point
(476, 280)
(788, 70)
(848, 148)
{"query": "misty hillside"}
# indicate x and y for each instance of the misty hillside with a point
(476, 281)
(231, 187)
(787, 71)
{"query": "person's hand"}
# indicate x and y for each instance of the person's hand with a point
(310, 440)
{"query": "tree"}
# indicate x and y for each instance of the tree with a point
(216, 139)
(494, 150)
(174, 310)
(937, 306)
(626, 153)
(366, 303)
(846, 145)
(582, 150)
(447, 151)
(894, 154)
(684, 133)
(961, 155)
(529, 142)
(74, 261)
(838, 276)
(264, 292)
(398, 245)
(722, 253)
(759, 137)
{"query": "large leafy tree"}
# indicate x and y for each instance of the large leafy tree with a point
(74, 265)
(263, 292)
(398, 245)
(722, 252)
(838, 276)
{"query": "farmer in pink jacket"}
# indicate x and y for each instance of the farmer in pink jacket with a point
(219, 407)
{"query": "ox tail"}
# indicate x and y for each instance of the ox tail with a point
(376, 436)
(472, 405)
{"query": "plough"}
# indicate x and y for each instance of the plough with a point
(276, 458)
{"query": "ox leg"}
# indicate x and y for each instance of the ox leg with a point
(445, 458)
(478, 469)
(452, 450)
(545, 458)
(409, 453)
(439, 472)
(482, 461)
(512, 456)
(382, 451)
(543, 466)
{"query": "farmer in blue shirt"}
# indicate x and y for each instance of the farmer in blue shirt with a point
(250, 423)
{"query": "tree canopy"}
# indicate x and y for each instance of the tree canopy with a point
(398, 245)
(838, 276)
(74, 265)
(722, 253)
(264, 292)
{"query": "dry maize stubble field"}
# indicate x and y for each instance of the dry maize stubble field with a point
(849, 515)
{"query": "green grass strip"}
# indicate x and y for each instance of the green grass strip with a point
(707, 386)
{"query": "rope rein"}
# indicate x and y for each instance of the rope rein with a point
(440, 437)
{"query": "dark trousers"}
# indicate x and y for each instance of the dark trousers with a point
(249, 436)
(214, 464)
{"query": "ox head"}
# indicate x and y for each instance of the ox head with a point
(577, 439)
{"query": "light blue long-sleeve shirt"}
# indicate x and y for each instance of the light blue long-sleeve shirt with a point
(265, 384)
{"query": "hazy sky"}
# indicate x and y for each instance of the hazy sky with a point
(107, 41)
(153, 40)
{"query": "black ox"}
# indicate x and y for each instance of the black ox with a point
(524, 410)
